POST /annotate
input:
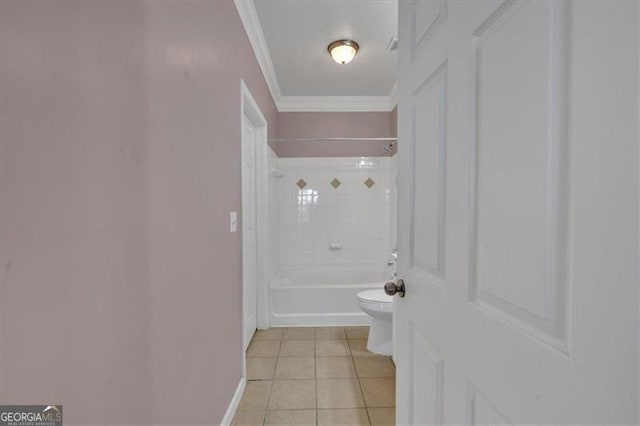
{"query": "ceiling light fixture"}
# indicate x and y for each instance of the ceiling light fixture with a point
(343, 51)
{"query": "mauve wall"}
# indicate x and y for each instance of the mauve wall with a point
(119, 163)
(198, 52)
(74, 278)
(330, 125)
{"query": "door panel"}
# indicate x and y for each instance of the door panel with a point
(427, 15)
(481, 411)
(519, 147)
(518, 212)
(429, 186)
(427, 381)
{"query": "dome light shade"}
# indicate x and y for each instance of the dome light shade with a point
(343, 51)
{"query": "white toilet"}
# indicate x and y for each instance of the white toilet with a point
(378, 305)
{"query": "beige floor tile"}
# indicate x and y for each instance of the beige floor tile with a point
(296, 368)
(298, 333)
(269, 334)
(332, 348)
(248, 418)
(260, 368)
(359, 348)
(335, 367)
(265, 348)
(348, 416)
(374, 367)
(334, 333)
(256, 395)
(382, 416)
(293, 395)
(339, 393)
(291, 417)
(379, 392)
(359, 332)
(297, 348)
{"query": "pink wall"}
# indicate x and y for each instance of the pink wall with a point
(74, 279)
(120, 286)
(333, 124)
(197, 53)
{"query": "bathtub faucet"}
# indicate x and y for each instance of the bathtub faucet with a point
(394, 257)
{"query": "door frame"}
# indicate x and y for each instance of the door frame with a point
(249, 110)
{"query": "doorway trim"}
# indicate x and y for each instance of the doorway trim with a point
(250, 110)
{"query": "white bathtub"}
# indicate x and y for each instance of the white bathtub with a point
(323, 296)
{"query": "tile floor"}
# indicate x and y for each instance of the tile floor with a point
(316, 376)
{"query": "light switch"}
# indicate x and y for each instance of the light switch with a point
(233, 221)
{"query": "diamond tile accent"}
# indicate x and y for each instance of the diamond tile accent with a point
(369, 183)
(301, 183)
(336, 183)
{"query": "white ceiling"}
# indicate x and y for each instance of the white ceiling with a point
(291, 38)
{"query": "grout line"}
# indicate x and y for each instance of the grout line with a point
(364, 401)
(357, 377)
(273, 382)
(273, 376)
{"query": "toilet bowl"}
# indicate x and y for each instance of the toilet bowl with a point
(379, 306)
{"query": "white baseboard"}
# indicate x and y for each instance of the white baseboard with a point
(233, 405)
(310, 320)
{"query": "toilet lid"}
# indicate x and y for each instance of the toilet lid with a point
(378, 296)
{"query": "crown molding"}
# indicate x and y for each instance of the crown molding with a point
(334, 103)
(250, 21)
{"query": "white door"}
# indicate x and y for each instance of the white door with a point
(518, 211)
(249, 236)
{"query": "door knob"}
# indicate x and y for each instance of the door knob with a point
(392, 288)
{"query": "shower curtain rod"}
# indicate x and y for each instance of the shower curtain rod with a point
(332, 139)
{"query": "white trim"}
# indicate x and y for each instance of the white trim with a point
(334, 103)
(251, 110)
(310, 320)
(233, 405)
(638, 165)
(251, 22)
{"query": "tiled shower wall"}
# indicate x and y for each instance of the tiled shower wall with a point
(335, 211)
(273, 223)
